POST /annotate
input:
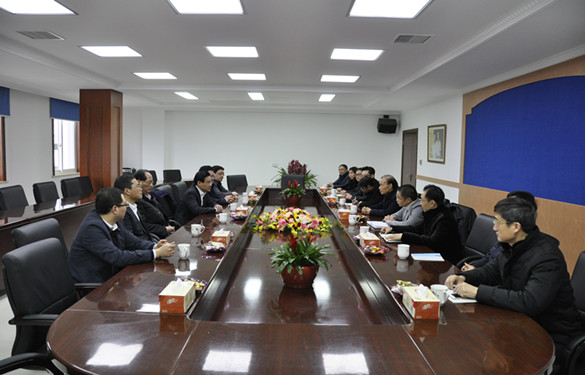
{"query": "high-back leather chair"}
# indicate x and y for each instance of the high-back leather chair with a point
(465, 217)
(28, 360)
(45, 192)
(286, 178)
(172, 175)
(12, 197)
(71, 187)
(39, 230)
(575, 361)
(236, 181)
(179, 189)
(482, 236)
(39, 286)
(86, 186)
(164, 196)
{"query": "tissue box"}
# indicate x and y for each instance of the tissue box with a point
(323, 190)
(343, 214)
(369, 239)
(221, 236)
(176, 300)
(259, 189)
(242, 210)
(420, 307)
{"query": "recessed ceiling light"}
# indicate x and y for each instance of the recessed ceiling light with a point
(34, 7)
(338, 78)
(388, 8)
(156, 75)
(256, 95)
(186, 95)
(247, 76)
(356, 54)
(326, 97)
(112, 51)
(218, 51)
(207, 7)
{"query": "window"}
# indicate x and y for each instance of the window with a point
(64, 146)
(2, 151)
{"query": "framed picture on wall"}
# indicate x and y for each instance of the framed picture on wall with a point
(436, 136)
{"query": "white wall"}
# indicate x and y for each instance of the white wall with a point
(446, 112)
(28, 142)
(251, 143)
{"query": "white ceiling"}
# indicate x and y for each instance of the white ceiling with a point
(473, 43)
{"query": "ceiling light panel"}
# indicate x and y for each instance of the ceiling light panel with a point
(388, 8)
(356, 54)
(207, 6)
(112, 51)
(247, 76)
(339, 78)
(245, 52)
(326, 98)
(186, 95)
(34, 7)
(155, 75)
(256, 95)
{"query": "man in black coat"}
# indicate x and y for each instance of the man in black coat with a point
(130, 187)
(370, 188)
(529, 276)
(388, 205)
(438, 230)
(155, 220)
(197, 199)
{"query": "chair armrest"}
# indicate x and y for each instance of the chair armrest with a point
(34, 320)
(27, 360)
(468, 259)
(175, 224)
(575, 349)
(83, 289)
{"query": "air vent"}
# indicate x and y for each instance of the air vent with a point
(47, 35)
(412, 39)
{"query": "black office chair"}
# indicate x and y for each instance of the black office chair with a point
(172, 175)
(12, 197)
(153, 174)
(45, 192)
(39, 287)
(286, 178)
(28, 360)
(86, 186)
(71, 187)
(575, 361)
(39, 230)
(179, 189)
(237, 181)
(465, 217)
(164, 196)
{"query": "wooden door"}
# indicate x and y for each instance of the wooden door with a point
(409, 156)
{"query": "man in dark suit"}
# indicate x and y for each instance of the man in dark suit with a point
(388, 205)
(214, 193)
(218, 188)
(370, 189)
(197, 200)
(132, 191)
(154, 219)
(103, 246)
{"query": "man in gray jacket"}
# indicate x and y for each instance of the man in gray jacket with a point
(410, 213)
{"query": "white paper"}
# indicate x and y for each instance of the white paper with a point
(386, 238)
(427, 257)
(458, 299)
(377, 224)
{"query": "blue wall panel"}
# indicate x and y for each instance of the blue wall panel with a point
(530, 138)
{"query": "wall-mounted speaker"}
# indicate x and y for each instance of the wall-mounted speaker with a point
(387, 125)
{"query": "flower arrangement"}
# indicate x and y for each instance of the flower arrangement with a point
(293, 190)
(293, 220)
(295, 167)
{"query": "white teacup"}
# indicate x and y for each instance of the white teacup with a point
(341, 201)
(184, 250)
(403, 251)
(353, 208)
(440, 291)
(353, 219)
(197, 229)
(233, 207)
(364, 229)
(223, 217)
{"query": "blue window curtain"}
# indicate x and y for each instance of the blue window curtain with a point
(64, 110)
(4, 101)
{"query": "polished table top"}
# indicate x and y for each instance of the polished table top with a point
(246, 321)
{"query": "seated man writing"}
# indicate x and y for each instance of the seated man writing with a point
(103, 246)
(529, 276)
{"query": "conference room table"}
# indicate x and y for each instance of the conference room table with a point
(247, 321)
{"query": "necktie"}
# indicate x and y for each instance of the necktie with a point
(115, 237)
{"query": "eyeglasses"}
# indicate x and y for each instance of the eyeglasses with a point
(500, 222)
(122, 205)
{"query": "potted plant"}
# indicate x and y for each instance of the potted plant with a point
(298, 261)
(296, 168)
(293, 193)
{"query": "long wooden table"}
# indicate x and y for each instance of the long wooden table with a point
(246, 321)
